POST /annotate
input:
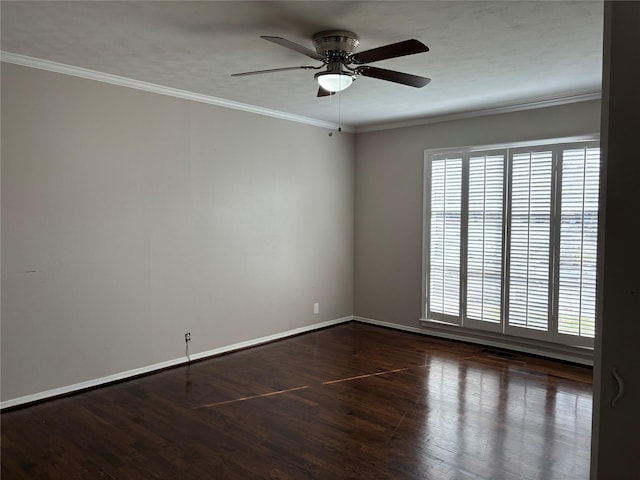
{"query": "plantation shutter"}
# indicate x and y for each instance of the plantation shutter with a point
(485, 237)
(511, 240)
(530, 235)
(445, 237)
(578, 241)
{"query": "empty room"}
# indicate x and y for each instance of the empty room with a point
(323, 240)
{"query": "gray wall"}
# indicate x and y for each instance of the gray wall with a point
(129, 218)
(389, 167)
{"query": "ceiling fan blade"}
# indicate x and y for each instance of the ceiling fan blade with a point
(294, 46)
(400, 49)
(393, 76)
(324, 93)
(271, 70)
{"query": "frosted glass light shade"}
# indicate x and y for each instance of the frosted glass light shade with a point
(334, 82)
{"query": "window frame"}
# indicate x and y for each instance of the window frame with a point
(559, 337)
(552, 334)
(426, 225)
(467, 321)
(515, 330)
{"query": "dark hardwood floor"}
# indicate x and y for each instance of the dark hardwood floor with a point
(353, 401)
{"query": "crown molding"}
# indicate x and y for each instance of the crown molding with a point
(56, 67)
(517, 107)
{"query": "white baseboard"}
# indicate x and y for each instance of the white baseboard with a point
(558, 352)
(55, 392)
(395, 326)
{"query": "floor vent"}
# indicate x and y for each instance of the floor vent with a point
(498, 353)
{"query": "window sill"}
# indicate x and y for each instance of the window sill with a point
(580, 355)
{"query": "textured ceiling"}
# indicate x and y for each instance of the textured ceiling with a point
(483, 54)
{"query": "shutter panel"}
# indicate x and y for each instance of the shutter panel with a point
(536, 278)
(484, 237)
(530, 231)
(445, 231)
(578, 241)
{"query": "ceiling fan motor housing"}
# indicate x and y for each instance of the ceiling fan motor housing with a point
(336, 44)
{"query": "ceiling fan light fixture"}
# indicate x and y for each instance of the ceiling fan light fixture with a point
(334, 81)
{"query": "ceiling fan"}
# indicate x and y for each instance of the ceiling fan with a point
(335, 49)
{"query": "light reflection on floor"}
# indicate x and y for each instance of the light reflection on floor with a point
(477, 417)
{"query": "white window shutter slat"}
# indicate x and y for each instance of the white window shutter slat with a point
(484, 237)
(445, 236)
(529, 256)
(578, 241)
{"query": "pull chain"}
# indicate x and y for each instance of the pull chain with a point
(339, 112)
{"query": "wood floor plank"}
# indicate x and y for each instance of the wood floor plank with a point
(353, 401)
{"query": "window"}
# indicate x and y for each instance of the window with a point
(485, 224)
(511, 240)
(446, 195)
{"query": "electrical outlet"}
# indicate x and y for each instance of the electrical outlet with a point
(316, 308)
(187, 337)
